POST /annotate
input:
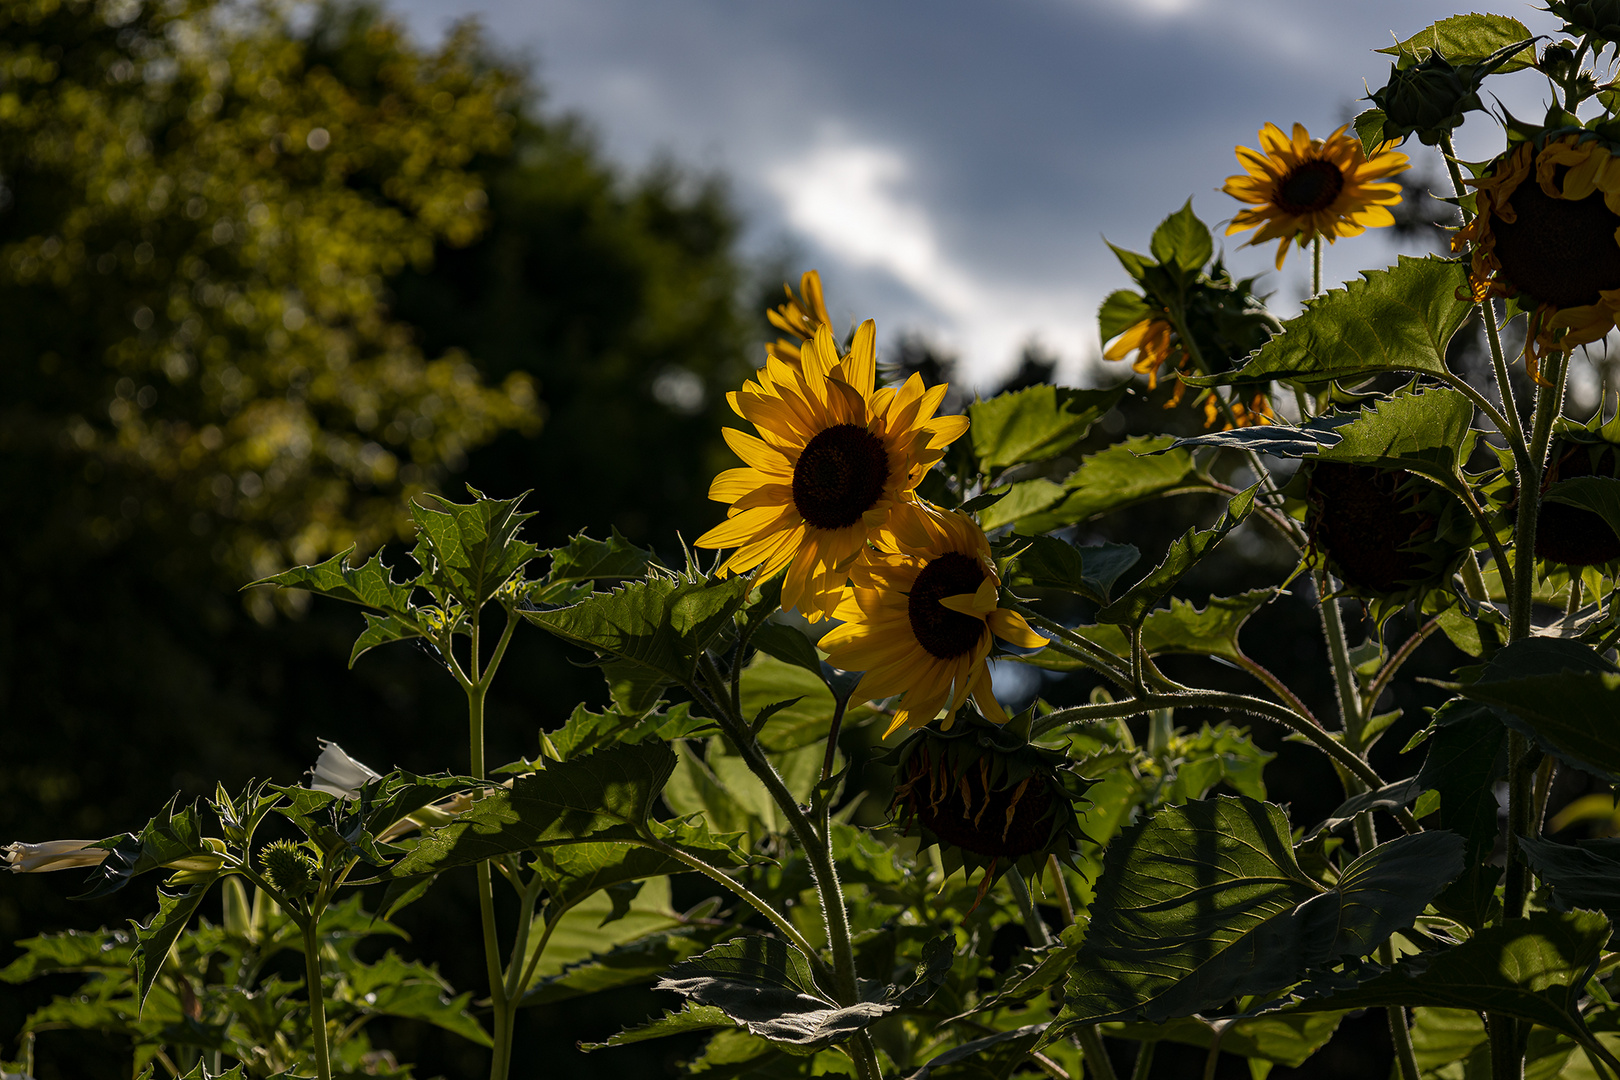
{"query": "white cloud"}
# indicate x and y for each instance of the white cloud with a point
(853, 200)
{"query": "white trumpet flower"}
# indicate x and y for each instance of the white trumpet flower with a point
(336, 773)
(52, 855)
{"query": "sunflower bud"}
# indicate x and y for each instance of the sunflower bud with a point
(1429, 98)
(288, 867)
(1598, 18)
(987, 798)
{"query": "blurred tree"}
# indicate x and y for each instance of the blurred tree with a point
(265, 271)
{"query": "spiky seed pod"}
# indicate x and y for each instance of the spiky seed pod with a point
(987, 798)
(288, 867)
(1569, 534)
(1386, 532)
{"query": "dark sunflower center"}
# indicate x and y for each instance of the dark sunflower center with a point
(943, 632)
(1559, 251)
(840, 476)
(1312, 186)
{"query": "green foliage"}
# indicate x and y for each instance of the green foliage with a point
(1111, 479)
(1050, 563)
(1133, 607)
(1466, 39)
(1552, 690)
(1035, 423)
(1205, 902)
(1399, 319)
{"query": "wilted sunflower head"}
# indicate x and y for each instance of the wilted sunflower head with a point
(801, 316)
(1548, 231)
(1387, 533)
(987, 798)
(1570, 534)
(835, 466)
(1303, 188)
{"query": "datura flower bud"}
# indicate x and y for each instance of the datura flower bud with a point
(336, 773)
(52, 855)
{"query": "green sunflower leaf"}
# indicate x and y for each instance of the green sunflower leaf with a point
(1534, 969)
(1370, 130)
(1282, 1040)
(1141, 598)
(1560, 693)
(628, 963)
(1183, 241)
(690, 1018)
(602, 923)
(1398, 319)
(1121, 310)
(789, 645)
(1035, 423)
(1121, 475)
(767, 681)
(1427, 432)
(473, 546)
(586, 732)
(1180, 628)
(1598, 494)
(1051, 563)
(595, 797)
(1205, 902)
(661, 625)
(1587, 876)
(572, 872)
(1466, 39)
(1466, 755)
(765, 985)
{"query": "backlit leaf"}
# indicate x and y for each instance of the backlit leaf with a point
(661, 625)
(1185, 553)
(1562, 694)
(584, 559)
(1205, 902)
(1182, 240)
(1110, 479)
(1051, 563)
(1035, 423)
(474, 545)
(1399, 319)
(1466, 39)
(370, 584)
(152, 941)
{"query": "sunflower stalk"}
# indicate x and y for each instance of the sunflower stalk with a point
(817, 847)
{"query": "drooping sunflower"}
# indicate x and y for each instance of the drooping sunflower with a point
(1548, 230)
(835, 466)
(920, 618)
(987, 798)
(801, 316)
(1152, 340)
(1303, 188)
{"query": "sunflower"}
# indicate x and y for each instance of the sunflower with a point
(1150, 338)
(1554, 241)
(987, 798)
(801, 316)
(1303, 188)
(919, 619)
(835, 466)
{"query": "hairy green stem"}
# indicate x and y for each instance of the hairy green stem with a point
(1387, 673)
(1209, 699)
(1077, 646)
(1316, 267)
(1344, 676)
(1276, 686)
(742, 891)
(1507, 421)
(817, 850)
(1090, 1040)
(476, 688)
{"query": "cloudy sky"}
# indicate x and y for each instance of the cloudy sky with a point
(952, 167)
